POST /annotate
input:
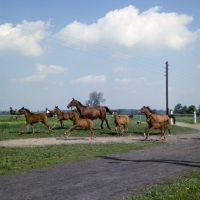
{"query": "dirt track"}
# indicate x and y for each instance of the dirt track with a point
(109, 177)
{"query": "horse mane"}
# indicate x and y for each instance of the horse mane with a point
(27, 110)
(81, 103)
(149, 109)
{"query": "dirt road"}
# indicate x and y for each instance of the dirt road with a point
(109, 177)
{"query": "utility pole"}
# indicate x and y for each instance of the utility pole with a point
(167, 107)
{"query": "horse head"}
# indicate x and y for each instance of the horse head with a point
(114, 113)
(142, 110)
(72, 103)
(21, 110)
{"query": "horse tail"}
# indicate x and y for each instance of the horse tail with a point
(108, 110)
(130, 116)
(173, 117)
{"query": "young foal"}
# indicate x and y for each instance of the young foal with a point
(80, 122)
(121, 120)
(33, 118)
(61, 116)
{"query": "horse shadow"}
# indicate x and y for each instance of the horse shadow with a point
(167, 161)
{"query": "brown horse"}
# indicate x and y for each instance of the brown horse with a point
(121, 120)
(32, 118)
(61, 116)
(155, 121)
(80, 122)
(91, 112)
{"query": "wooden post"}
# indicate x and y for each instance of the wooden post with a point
(195, 117)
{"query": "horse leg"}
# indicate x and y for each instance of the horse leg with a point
(150, 129)
(116, 130)
(47, 125)
(70, 129)
(32, 129)
(92, 133)
(102, 123)
(121, 131)
(107, 124)
(23, 128)
(55, 124)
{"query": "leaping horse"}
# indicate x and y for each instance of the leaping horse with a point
(91, 112)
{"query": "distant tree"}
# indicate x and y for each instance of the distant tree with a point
(191, 109)
(184, 110)
(178, 108)
(95, 99)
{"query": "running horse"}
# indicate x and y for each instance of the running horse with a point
(32, 118)
(61, 116)
(80, 122)
(121, 120)
(156, 121)
(91, 112)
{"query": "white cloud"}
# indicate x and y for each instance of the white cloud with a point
(90, 79)
(129, 28)
(119, 69)
(51, 69)
(133, 81)
(32, 78)
(23, 38)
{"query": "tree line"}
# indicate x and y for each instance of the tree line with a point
(179, 109)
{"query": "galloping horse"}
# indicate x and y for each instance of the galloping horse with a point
(61, 116)
(156, 121)
(32, 118)
(80, 122)
(121, 120)
(91, 112)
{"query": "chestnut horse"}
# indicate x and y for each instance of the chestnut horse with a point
(61, 116)
(91, 112)
(156, 121)
(121, 120)
(80, 122)
(32, 118)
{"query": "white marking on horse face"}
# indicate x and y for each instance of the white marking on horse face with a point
(48, 111)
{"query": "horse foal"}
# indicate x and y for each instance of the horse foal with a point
(32, 118)
(80, 122)
(121, 120)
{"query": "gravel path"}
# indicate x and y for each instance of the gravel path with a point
(108, 177)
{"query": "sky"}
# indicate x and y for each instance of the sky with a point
(53, 51)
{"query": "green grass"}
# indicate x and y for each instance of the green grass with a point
(185, 187)
(10, 127)
(18, 160)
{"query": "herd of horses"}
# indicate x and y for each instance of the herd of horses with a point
(83, 116)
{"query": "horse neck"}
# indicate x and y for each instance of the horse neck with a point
(26, 113)
(147, 113)
(58, 112)
(79, 107)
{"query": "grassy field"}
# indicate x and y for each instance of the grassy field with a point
(19, 160)
(10, 127)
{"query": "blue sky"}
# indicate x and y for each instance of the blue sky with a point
(53, 51)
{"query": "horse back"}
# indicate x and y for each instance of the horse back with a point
(38, 117)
